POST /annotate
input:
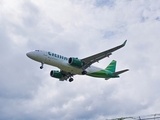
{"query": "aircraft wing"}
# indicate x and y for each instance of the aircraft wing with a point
(95, 58)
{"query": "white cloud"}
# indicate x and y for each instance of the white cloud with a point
(79, 28)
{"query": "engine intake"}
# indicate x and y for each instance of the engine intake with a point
(56, 74)
(75, 62)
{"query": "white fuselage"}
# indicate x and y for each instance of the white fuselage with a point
(59, 61)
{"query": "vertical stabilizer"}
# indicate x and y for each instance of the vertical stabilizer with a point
(112, 66)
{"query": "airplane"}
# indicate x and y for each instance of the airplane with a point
(72, 66)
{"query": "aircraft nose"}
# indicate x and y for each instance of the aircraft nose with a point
(30, 54)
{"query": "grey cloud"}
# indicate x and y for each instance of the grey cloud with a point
(101, 3)
(108, 34)
(158, 18)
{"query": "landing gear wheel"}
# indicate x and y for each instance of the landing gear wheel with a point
(71, 79)
(41, 67)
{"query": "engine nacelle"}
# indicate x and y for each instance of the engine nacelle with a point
(75, 62)
(56, 74)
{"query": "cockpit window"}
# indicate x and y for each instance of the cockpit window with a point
(37, 50)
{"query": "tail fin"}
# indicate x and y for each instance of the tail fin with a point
(112, 66)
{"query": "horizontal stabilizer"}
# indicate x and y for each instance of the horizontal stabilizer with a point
(120, 72)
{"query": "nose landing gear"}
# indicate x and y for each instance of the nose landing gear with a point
(41, 67)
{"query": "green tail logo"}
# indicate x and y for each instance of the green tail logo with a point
(112, 66)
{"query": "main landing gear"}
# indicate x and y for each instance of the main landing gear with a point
(41, 67)
(70, 79)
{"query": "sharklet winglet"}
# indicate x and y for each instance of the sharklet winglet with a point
(124, 43)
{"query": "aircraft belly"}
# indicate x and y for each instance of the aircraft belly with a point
(93, 69)
(75, 70)
(63, 66)
(71, 69)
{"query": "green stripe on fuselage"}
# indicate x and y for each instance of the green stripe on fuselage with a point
(102, 74)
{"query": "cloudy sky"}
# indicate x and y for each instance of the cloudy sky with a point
(79, 28)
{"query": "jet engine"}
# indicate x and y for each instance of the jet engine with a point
(75, 62)
(56, 74)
